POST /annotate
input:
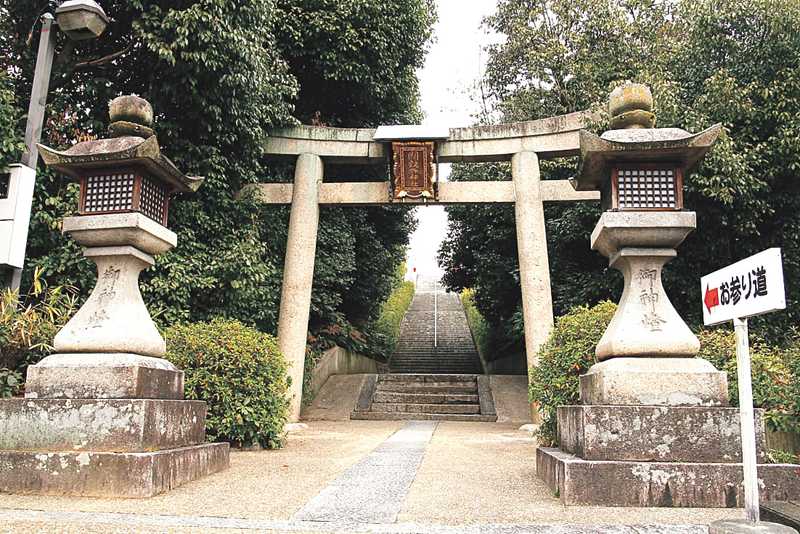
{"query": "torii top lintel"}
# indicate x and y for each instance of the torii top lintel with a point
(549, 138)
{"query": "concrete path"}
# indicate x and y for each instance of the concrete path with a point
(373, 490)
(454, 477)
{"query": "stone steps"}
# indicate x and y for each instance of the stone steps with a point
(454, 351)
(439, 407)
(432, 379)
(439, 397)
(397, 416)
(424, 398)
(412, 369)
(447, 390)
(427, 382)
(415, 369)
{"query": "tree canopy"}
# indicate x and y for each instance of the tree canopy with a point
(731, 62)
(220, 74)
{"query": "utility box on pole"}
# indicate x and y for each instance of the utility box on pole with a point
(16, 197)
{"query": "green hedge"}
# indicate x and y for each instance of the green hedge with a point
(480, 328)
(569, 352)
(774, 383)
(392, 313)
(240, 373)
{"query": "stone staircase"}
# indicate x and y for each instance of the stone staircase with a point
(435, 372)
(429, 397)
(438, 342)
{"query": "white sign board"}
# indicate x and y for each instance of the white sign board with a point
(749, 287)
(16, 196)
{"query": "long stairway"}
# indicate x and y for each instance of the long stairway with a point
(435, 337)
(435, 372)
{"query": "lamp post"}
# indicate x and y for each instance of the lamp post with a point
(79, 20)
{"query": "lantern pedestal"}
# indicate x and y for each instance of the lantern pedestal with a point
(105, 415)
(646, 323)
(653, 427)
(654, 381)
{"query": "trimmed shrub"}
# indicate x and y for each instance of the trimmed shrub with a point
(392, 313)
(240, 373)
(568, 353)
(791, 423)
(772, 377)
(481, 330)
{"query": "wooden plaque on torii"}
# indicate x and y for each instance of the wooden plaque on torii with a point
(413, 170)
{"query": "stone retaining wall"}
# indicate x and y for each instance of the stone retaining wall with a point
(339, 361)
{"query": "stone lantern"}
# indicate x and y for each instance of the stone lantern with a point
(639, 172)
(106, 410)
(653, 427)
(125, 184)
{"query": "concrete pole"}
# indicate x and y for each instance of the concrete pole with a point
(36, 108)
(534, 266)
(41, 85)
(298, 273)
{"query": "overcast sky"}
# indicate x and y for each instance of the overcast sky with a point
(454, 63)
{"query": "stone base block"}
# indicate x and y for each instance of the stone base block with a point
(104, 376)
(654, 382)
(100, 425)
(742, 526)
(696, 485)
(108, 474)
(655, 433)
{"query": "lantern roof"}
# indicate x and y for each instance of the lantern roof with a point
(126, 150)
(639, 145)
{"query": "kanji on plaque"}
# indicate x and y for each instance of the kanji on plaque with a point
(413, 169)
(749, 287)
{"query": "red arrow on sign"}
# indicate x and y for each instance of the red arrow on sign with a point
(711, 298)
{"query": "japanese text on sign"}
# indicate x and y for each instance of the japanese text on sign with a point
(749, 287)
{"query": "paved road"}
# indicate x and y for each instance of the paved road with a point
(362, 476)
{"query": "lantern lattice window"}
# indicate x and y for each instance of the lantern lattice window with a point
(648, 188)
(5, 185)
(127, 191)
(109, 193)
(153, 200)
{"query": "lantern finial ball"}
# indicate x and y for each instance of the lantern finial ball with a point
(631, 106)
(130, 115)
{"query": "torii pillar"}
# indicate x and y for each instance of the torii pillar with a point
(523, 143)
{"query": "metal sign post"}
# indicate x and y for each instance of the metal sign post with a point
(747, 422)
(750, 287)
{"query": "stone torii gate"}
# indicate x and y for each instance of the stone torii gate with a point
(524, 143)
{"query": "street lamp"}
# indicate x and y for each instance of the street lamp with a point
(79, 20)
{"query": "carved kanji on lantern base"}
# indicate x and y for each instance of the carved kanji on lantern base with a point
(413, 170)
